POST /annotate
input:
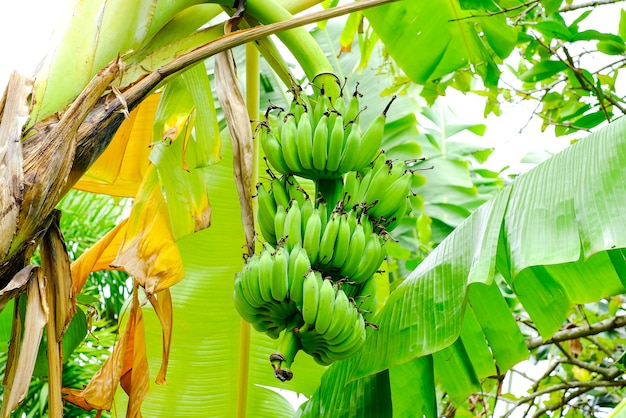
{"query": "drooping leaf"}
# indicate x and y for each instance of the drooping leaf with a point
(554, 234)
(177, 155)
(123, 165)
(98, 257)
(25, 340)
(128, 355)
(148, 251)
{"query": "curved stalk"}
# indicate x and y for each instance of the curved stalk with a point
(299, 41)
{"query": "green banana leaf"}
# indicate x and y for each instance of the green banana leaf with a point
(442, 39)
(556, 235)
(202, 377)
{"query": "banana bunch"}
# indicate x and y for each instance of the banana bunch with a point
(263, 289)
(334, 328)
(381, 191)
(314, 284)
(323, 141)
(346, 246)
(274, 204)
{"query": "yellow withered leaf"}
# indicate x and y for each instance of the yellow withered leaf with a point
(162, 303)
(98, 257)
(127, 366)
(149, 251)
(25, 341)
(121, 168)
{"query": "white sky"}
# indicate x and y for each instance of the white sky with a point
(27, 27)
(30, 24)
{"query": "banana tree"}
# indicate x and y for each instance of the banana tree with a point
(169, 156)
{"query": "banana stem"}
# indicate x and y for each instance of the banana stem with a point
(331, 190)
(283, 359)
(298, 40)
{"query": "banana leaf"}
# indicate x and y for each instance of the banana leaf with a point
(556, 236)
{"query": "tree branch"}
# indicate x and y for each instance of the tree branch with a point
(531, 3)
(594, 3)
(569, 334)
(564, 386)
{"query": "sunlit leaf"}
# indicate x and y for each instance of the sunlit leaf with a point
(122, 166)
(148, 251)
(547, 238)
(542, 70)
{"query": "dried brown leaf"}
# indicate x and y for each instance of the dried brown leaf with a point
(162, 303)
(127, 366)
(235, 111)
(15, 115)
(19, 374)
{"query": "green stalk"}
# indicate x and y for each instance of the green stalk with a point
(331, 190)
(299, 41)
(252, 103)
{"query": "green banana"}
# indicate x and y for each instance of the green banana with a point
(320, 144)
(250, 282)
(355, 251)
(304, 141)
(393, 197)
(321, 358)
(279, 223)
(397, 217)
(299, 267)
(266, 263)
(294, 190)
(266, 212)
(312, 235)
(279, 191)
(377, 187)
(342, 242)
(273, 150)
(293, 225)
(325, 306)
(368, 304)
(371, 260)
(344, 311)
(280, 275)
(310, 296)
(340, 105)
(306, 209)
(321, 108)
(327, 242)
(372, 139)
(354, 107)
(350, 151)
(335, 144)
(354, 341)
(245, 309)
(288, 141)
(350, 189)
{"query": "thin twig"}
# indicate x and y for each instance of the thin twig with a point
(594, 3)
(499, 12)
(568, 385)
(569, 334)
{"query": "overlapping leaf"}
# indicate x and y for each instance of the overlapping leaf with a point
(441, 38)
(554, 234)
